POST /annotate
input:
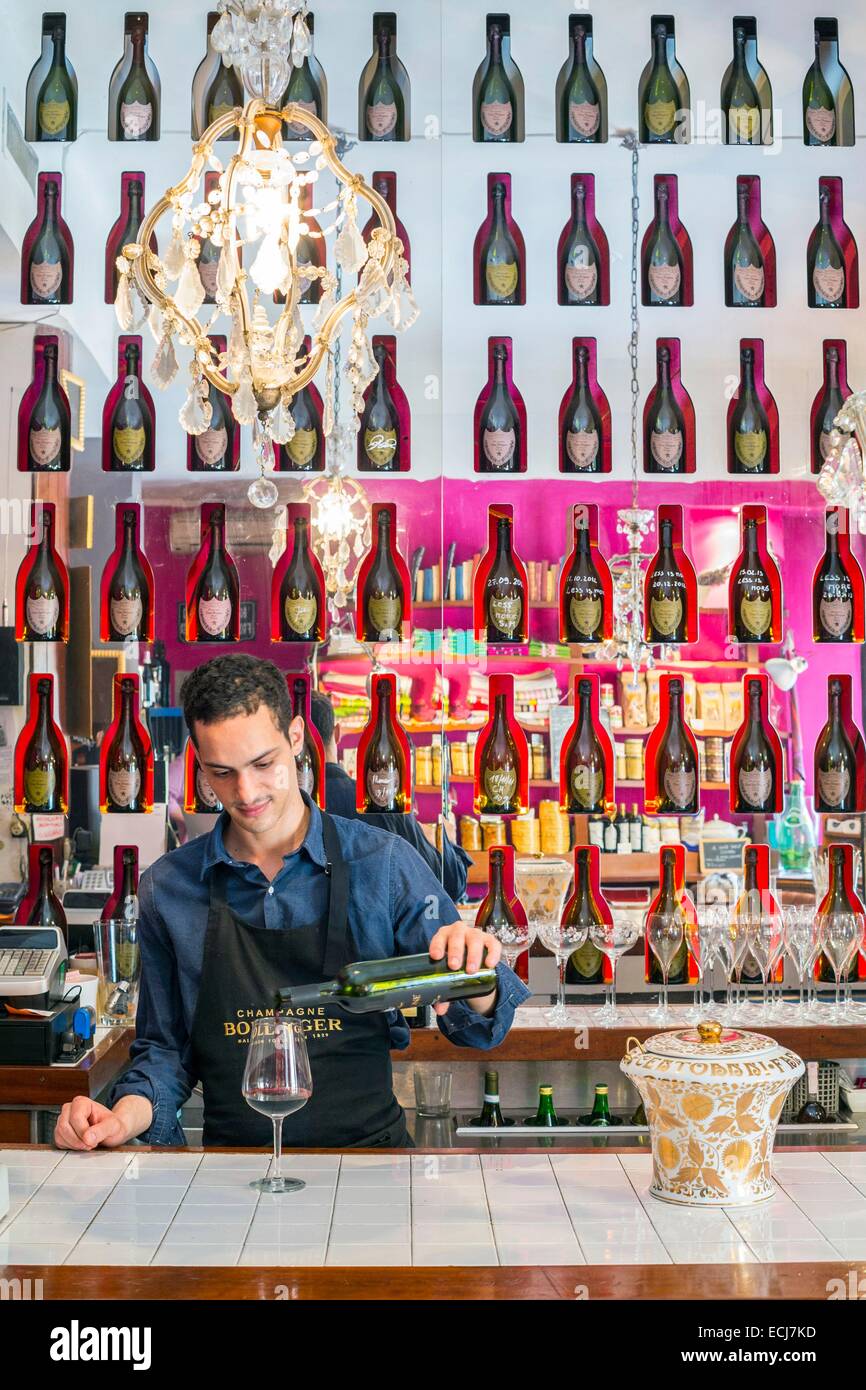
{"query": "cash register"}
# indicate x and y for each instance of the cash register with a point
(34, 1015)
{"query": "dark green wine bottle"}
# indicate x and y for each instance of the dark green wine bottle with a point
(57, 104)
(505, 597)
(667, 618)
(491, 1114)
(819, 105)
(750, 427)
(584, 760)
(583, 596)
(48, 272)
(379, 435)
(304, 90)
(375, 986)
(383, 104)
(665, 429)
(43, 760)
(499, 426)
(826, 266)
(676, 765)
(661, 97)
(137, 115)
(383, 596)
(829, 406)
(740, 99)
(580, 262)
(753, 771)
(752, 595)
(499, 271)
(580, 117)
(744, 269)
(303, 452)
(301, 599)
(835, 761)
(545, 1116)
(45, 598)
(48, 437)
(494, 117)
(832, 591)
(662, 262)
(585, 966)
(130, 425)
(581, 426)
(224, 94)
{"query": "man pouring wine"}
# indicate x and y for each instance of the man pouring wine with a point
(279, 894)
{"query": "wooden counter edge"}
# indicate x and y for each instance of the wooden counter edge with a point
(725, 1282)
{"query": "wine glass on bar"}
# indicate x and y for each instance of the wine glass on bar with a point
(713, 930)
(613, 939)
(562, 937)
(664, 933)
(840, 942)
(541, 882)
(739, 937)
(694, 941)
(852, 1009)
(277, 1082)
(801, 940)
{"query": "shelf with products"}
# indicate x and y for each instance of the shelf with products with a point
(615, 868)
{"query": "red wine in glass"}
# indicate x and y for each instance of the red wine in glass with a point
(277, 1082)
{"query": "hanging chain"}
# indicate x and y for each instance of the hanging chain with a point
(630, 142)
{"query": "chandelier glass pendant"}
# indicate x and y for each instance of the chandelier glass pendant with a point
(255, 216)
(841, 481)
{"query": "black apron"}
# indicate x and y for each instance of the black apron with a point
(353, 1102)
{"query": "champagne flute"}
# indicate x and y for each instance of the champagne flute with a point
(713, 929)
(801, 935)
(695, 944)
(739, 936)
(840, 941)
(850, 1007)
(562, 939)
(277, 1082)
(613, 939)
(664, 933)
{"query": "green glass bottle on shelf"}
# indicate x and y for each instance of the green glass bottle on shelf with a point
(750, 426)
(491, 1114)
(383, 103)
(825, 265)
(795, 835)
(499, 270)
(740, 103)
(580, 117)
(585, 966)
(374, 986)
(137, 103)
(661, 98)
(669, 902)
(662, 261)
(57, 104)
(545, 1117)
(494, 115)
(836, 901)
(819, 105)
(600, 1114)
(744, 270)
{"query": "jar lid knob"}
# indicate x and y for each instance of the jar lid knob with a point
(710, 1032)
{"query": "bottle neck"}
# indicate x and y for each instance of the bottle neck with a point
(383, 695)
(739, 55)
(675, 708)
(299, 702)
(50, 362)
(46, 874)
(129, 538)
(832, 543)
(582, 885)
(664, 373)
(130, 885)
(578, 46)
(125, 707)
(750, 880)
(499, 711)
(59, 47)
(43, 717)
(824, 213)
(662, 209)
(384, 44)
(755, 707)
(302, 537)
(579, 205)
(661, 50)
(832, 373)
(583, 542)
(666, 548)
(750, 546)
(503, 540)
(499, 370)
(134, 201)
(581, 368)
(495, 46)
(50, 205)
(137, 39)
(383, 537)
(497, 887)
(747, 373)
(668, 883)
(216, 536)
(498, 211)
(131, 364)
(743, 207)
(584, 717)
(835, 707)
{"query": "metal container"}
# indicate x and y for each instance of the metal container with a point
(713, 1097)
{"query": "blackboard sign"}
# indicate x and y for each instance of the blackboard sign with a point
(248, 620)
(724, 853)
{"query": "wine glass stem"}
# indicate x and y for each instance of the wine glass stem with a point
(561, 962)
(278, 1146)
(664, 990)
(613, 963)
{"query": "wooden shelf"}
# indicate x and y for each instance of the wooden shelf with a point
(615, 868)
(610, 1044)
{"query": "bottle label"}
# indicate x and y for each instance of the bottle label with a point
(829, 283)
(301, 448)
(756, 615)
(745, 122)
(214, 615)
(135, 119)
(821, 123)
(124, 785)
(306, 775)
(664, 280)
(500, 784)
(301, 613)
(586, 960)
(585, 615)
(666, 447)
(381, 119)
(44, 446)
(498, 447)
(385, 614)
(581, 447)
(833, 787)
(39, 785)
(210, 446)
(749, 280)
(496, 116)
(53, 116)
(660, 116)
(205, 793)
(380, 446)
(505, 613)
(126, 615)
(755, 786)
(666, 615)
(680, 788)
(581, 279)
(750, 447)
(835, 615)
(42, 613)
(218, 109)
(208, 271)
(46, 278)
(501, 277)
(128, 446)
(296, 131)
(584, 117)
(383, 787)
(587, 786)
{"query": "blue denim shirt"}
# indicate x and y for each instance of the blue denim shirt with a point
(396, 905)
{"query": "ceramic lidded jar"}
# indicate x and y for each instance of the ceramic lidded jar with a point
(713, 1097)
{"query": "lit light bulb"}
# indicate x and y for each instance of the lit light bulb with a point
(269, 267)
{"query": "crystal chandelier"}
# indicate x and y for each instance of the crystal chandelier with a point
(255, 216)
(841, 481)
